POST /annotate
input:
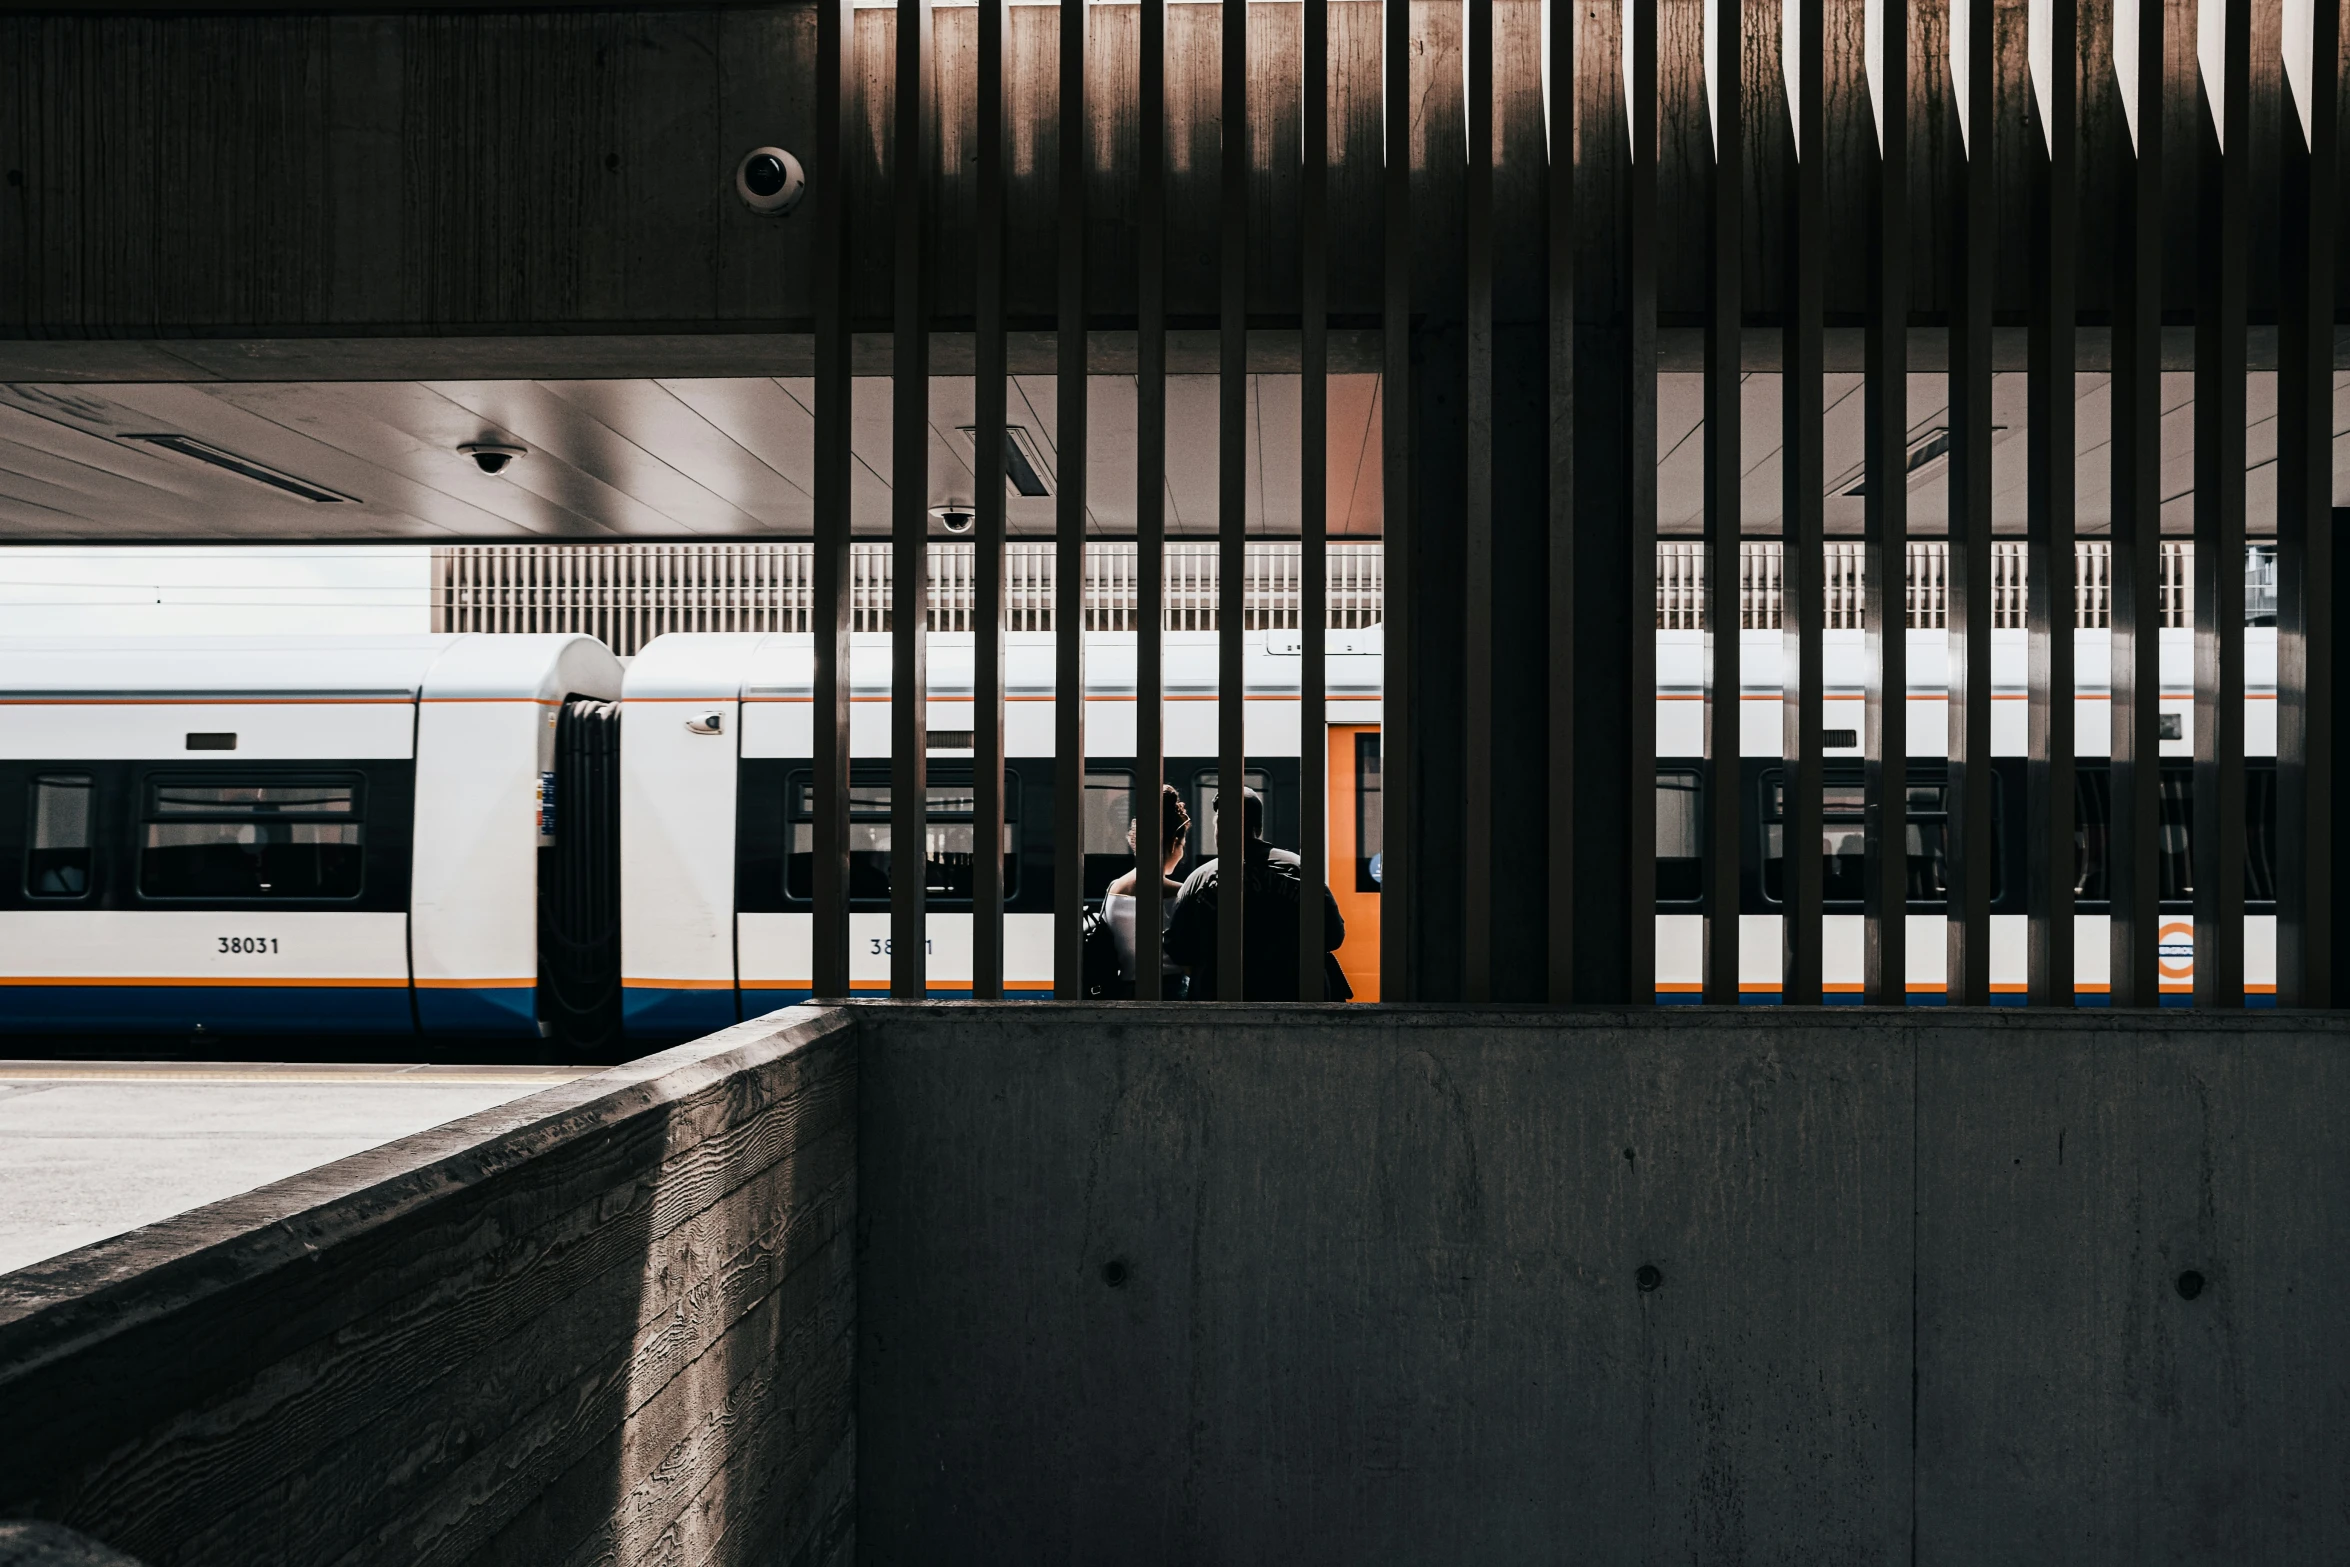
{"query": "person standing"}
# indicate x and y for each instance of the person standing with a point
(1270, 910)
(1111, 971)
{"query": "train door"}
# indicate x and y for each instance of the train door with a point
(1354, 817)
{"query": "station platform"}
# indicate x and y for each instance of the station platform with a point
(93, 1149)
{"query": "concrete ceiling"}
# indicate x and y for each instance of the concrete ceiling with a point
(1681, 452)
(719, 457)
(667, 458)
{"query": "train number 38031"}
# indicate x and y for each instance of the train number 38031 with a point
(243, 946)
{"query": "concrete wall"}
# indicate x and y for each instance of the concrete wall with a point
(607, 1323)
(1177, 1286)
(1252, 1284)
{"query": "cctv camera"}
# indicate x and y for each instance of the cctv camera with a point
(770, 181)
(955, 519)
(490, 456)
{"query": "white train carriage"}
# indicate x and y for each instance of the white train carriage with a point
(345, 835)
(1683, 775)
(718, 923)
(718, 920)
(443, 835)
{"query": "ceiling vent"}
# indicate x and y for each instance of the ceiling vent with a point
(243, 467)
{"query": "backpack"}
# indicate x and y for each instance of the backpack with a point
(1100, 979)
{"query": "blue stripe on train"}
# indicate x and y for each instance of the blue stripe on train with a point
(511, 1010)
(1935, 998)
(221, 1009)
(654, 1012)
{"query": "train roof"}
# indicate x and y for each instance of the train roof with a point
(710, 665)
(455, 666)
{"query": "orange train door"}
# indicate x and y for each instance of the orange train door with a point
(1355, 821)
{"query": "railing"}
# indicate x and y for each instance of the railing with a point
(1680, 585)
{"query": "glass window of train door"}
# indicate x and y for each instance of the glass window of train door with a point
(59, 836)
(1203, 810)
(1370, 824)
(947, 851)
(2177, 812)
(1680, 873)
(1108, 815)
(1843, 828)
(1843, 825)
(953, 834)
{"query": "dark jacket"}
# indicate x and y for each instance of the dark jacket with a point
(1269, 915)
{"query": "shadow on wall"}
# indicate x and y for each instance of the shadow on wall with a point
(609, 1323)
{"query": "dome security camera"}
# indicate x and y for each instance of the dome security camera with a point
(955, 519)
(491, 457)
(770, 181)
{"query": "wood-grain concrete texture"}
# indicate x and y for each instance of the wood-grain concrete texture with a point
(1253, 1285)
(608, 1323)
(175, 178)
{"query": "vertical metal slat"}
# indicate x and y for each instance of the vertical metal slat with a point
(2052, 563)
(909, 504)
(1639, 456)
(829, 609)
(1150, 509)
(1803, 552)
(2305, 537)
(1313, 610)
(1559, 947)
(2220, 329)
(987, 617)
(1397, 796)
(1972, 782)
(1477, 822)
(1884, 575)
(1724, 378)
(1231, 498)
(2133, 847)
(1069, 525)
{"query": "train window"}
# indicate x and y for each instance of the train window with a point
(58, 840)
(947, 848)
(2176, 814)
(251, 838)
(2175, 832)
(1109, 820)
(1680, 876)
(1369, 822)
(1844, 839)
(2260, 826)
(1203, 813)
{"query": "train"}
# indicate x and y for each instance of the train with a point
(506, 837)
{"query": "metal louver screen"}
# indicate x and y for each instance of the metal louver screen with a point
(626, 595)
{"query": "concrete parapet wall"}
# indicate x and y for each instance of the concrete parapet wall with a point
(609, 1323)
(1167, 1284)
(1261, 1284)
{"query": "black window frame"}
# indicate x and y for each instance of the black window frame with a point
(1845, 773)
(1698, 784)
(92, 830)
(143, 815)
(798, 782)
